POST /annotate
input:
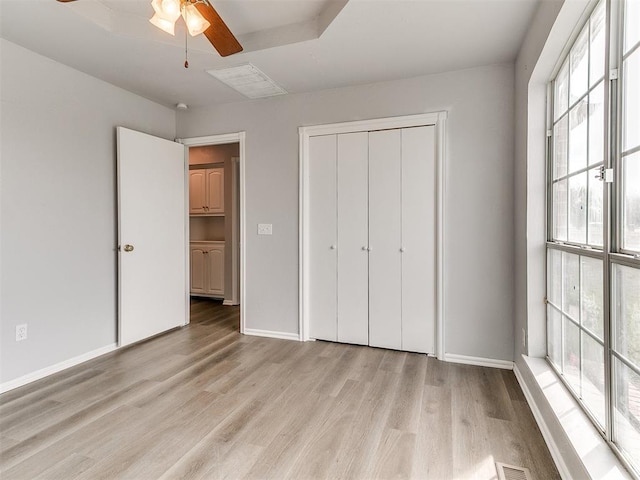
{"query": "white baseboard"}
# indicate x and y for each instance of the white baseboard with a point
(37, 375)
(546, 433)
(271, 334)
(479, 361)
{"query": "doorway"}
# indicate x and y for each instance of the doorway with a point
(215, 169)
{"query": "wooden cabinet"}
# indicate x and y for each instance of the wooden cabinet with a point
(207, 269)
(206, 191)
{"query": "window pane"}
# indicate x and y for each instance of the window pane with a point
(591, 288)
(579, 66)
(596, 125)
(572, 354)
(631, 24)
(631, 99)
(631, 202)
(595, 209)
(571, 285)
(626, 314)
(631, 102)
(560, 148)
(626, 413)
(560, 210)
(554, 334)
(578, 208)
(554, 277)
(596, 62)
(578, 136)
(593, 377)
(561, 97)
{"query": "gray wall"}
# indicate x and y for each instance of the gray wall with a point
(58, 207)
(553, 25)
(542, 48)
(479, 268)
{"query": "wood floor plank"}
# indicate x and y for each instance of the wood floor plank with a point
(204, 402)
(434, 438)
(405, 410)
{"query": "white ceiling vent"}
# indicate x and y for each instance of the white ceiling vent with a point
(248, 80)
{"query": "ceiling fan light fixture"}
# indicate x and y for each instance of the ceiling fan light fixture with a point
(171, 8)
(168, 10)
(163, 24)
(196, 23)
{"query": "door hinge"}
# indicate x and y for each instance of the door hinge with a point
(605, 174)
(613, 74)
(549, 133)
(545, 300)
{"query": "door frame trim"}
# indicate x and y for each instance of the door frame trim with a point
(436, 119)
(238, 137)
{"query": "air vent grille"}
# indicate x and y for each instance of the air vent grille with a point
(248, 80)
(511, 472)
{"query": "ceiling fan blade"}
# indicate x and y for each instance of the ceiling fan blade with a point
(218, 33)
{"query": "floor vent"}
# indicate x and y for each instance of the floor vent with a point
(511, 472)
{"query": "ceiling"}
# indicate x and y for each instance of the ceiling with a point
(303, 45)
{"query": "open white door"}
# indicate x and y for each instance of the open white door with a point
(152, 289)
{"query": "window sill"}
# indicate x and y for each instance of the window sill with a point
(575, 444)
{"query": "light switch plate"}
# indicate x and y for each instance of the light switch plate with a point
(265, 229)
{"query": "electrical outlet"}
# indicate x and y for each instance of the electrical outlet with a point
(21, 332)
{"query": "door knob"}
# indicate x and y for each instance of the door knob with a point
(364, 249)
(332, 247)
(128, 248)
(401, 249)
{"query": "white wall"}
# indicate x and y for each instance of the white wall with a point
(479, 258)
(58, 207)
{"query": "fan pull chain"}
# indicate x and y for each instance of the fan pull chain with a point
(186, 49)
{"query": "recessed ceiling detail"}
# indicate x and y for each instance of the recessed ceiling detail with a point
(257, 25)
(306, 45)
(248, 80)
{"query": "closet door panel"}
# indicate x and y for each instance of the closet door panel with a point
(322, 237)
(418, 239)
(384, 239)
(353, 288)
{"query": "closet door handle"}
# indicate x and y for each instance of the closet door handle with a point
(332, 247)
(365, 249)
(402, 250)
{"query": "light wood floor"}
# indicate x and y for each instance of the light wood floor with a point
(206, 402)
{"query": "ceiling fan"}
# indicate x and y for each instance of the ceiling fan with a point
(199, 16)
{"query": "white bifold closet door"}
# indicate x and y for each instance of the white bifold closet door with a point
(372, 238)
(338, 240)
(323, 238)
(419, 268)
(385, 233)
(353, 288)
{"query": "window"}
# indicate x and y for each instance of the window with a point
(593, 248)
